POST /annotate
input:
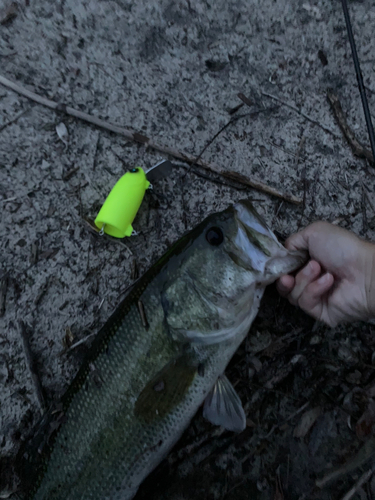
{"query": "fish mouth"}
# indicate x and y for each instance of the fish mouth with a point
(252, 245)
(251, 220)
(256, 248)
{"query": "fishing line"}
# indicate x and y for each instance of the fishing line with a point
(359, 78)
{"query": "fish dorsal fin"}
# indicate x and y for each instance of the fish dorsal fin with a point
(223, 406)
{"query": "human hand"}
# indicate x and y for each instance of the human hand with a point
(338, 283)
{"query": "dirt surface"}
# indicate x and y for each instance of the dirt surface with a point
(172, 71)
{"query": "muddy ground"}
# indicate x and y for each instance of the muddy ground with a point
(172, 70)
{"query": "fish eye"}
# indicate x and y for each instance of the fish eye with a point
(214, 236)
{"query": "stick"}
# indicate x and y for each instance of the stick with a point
(80, 342)
(140, 138)
(224, 127)
(365, 453)
(30, 361)
(275, 426)
(361, 481)
(14, 119)
(235, 176)
(3, 294)
(244, 99)
(307, 117)
(358, 73)
(357, 148)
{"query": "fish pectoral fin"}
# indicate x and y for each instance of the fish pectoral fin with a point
(223, 406)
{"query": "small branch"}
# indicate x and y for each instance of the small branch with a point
(361, 481)
(244, 99)
(232, 120)
(307, 117)
(364, 454)
(358, 73)
(224, 127)
(80, 342)
(210, 176)
(14, 119)
(140, 138)
(3, 294)
(357, 148)
(294, 414)
(235, 176)
(30, 361)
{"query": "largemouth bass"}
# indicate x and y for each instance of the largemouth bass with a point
(160, 356)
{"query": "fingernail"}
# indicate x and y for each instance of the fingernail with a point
(323, 279)
(306, 271)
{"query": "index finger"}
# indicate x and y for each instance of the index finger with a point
(298, 241)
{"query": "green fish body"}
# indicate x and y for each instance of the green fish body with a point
(159, 357)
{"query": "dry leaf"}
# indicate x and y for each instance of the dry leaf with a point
(307, 421)
(62, 132)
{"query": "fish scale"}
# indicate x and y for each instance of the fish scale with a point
(100, 404)
(155, 361)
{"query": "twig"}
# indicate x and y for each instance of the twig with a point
(294, 414)
(3, 294)
(14, 119)
(240, 483)
(357, 148)
(9, 199)
(80, 342)
(96, 151)
(140, 138)
(69, 173)
(234, 110)
(358, 73)
(361, 481)
(244, 99)
(30, 361)
(235, 176)
(307, 117)
(279, 493)
(285, 151)
(42, 292)
(209, 177)
(364, 454)
(232, 120)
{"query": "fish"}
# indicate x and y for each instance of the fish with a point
(156, 361)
